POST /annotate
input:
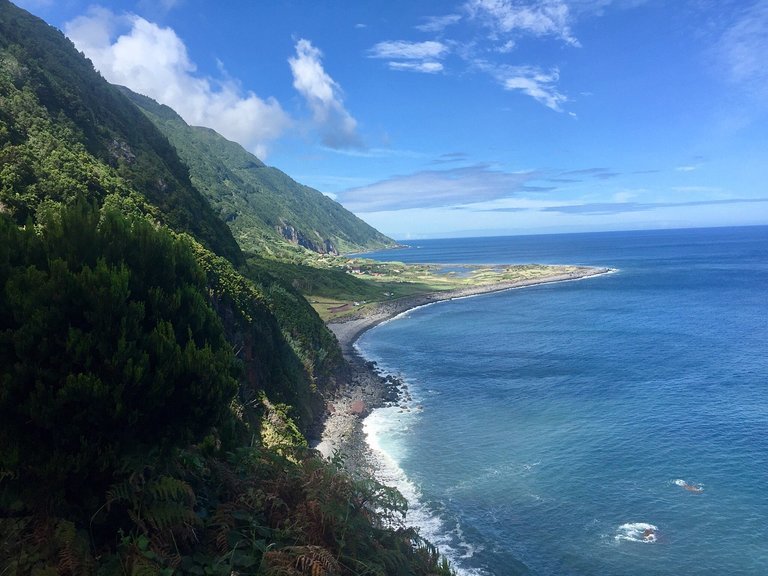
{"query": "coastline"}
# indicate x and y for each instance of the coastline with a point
(366, 388)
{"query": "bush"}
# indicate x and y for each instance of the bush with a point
(109, 351)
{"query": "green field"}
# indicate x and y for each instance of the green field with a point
(337, 286)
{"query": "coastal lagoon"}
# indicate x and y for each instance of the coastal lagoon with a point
(616, 425)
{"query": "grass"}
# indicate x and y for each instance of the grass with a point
(337, 286)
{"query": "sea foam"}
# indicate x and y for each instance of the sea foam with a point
(381, 423)
(637, 532)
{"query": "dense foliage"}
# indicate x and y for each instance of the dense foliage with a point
(262, 205)
(285, 348)
(154, 392)
(249, 512)
(65, 132)
(113, 364)
(108, 349)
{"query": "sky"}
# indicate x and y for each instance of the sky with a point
(468, 117)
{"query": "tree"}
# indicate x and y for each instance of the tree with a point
(109, 351)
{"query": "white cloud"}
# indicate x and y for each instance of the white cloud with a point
(507, 47)
(542, 18)
(162, 6)
(323, 95)
(742, 49)
(530, 80)
(439, 23)
(426, 67)
(624, 196)
(401, 49)
(153, 61)
(436, 188)
(411, 56)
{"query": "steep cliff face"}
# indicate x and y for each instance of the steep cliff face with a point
(66, 135)
(297, 237)
(261, 205)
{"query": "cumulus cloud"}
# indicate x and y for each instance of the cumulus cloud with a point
(411, 56)
(153, 61)
(501, 23)
(542, 18)
(323, 95)
(436, 188)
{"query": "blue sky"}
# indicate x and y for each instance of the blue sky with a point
(473, 117)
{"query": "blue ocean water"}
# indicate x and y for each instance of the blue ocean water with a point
(553, 430)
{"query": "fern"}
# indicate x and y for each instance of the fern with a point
(313, 560)
(43, 545)
(168, 488)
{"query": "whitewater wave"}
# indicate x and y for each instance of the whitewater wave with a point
(449, 540)
(637, 532)
(687, 486)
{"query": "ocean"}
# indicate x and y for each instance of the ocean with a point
(616, 425)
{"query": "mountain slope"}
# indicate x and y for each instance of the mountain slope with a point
(152, 397)
(66, 135)
(58, 115)
(261, 204)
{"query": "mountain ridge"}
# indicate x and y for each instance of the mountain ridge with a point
(261, 204)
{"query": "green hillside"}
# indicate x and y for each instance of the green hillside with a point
(262, 205)
(68, 136)
(67, 132)
(155, 390)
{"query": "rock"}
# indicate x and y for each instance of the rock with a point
(357, 407)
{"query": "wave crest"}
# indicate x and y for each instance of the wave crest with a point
(637, 532)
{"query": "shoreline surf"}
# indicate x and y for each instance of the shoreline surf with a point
(368, 388)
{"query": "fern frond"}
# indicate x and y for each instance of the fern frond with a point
(166, 514)
(279, 563)
(169, 488)
(223, 523)
(316, 561)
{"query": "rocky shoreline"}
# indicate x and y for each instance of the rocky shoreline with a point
(367, 388)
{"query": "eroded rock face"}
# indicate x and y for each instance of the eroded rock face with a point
(298, 237)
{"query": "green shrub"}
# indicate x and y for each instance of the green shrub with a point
(109, 351)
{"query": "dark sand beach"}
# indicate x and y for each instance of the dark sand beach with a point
(366, 388)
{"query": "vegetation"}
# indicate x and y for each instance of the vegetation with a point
(65, 132)
(125, 447)
(267, 211)
(155, 389)
(339, 287)
(108, 350)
